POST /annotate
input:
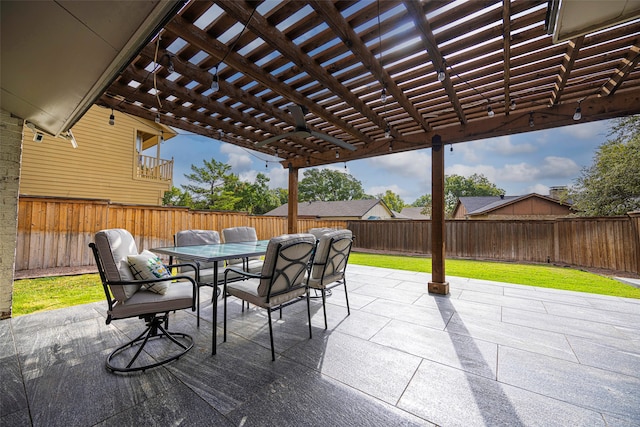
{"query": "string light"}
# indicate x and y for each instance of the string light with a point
(451, 148)
(337, 154)
(531, 123)
(266, 164)
(345, 165)
(215, 85)
(490, 112)
(441, 76)
(391, 146)
(387, 131)
(158, 118)
(578, 114)
(512, 106)
(308, 161)
(112, 118)
(383, 95)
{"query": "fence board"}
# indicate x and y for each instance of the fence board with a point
(55, 232)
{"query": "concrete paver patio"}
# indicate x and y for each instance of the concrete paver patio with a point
(487, 354)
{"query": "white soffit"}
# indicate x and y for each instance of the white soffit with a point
(58, 57)
(578, 17)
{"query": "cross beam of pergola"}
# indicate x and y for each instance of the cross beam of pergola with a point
(451, 72)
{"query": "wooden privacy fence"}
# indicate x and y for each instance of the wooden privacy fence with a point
(611, 243)
(55, 232)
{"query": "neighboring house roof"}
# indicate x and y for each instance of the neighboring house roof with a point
(346, 208)
(480, 205)
(412, 213)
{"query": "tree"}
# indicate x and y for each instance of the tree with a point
(329, 185)
(611, 185)
(175, 197)
(213, 186)
(392, 200)
(456, 186)
(257, 198)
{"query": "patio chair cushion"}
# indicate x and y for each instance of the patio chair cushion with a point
(319, 232)
(271, 258)
(179, 295)
(243, 234)
(148, 265)
(116, 244)
(193, 238)
(322, 251)
(248, 291)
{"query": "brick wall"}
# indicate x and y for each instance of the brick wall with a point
(10, 153)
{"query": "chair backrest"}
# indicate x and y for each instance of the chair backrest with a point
(319, 232)
(332, 254)
(197, 237)
(112, 247)
(285, 263)
(239, 234)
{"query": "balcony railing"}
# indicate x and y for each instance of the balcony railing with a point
(155, 169)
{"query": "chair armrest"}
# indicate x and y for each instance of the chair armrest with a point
(184, 264)
(241, 272)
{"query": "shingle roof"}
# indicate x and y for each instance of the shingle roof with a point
(349, 208)
(413, 213)
(478, 204)
(481, 204)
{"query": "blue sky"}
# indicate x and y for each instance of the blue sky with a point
(519, 164)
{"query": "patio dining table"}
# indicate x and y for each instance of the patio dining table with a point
(215, 253)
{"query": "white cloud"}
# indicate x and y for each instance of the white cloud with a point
(413, 164)
(503, 145)
(381, 189)
(558, 167)
(587, 130)
(538, 188)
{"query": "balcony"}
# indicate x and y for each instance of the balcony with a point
(154, 169)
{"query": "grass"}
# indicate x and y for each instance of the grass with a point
(541, 275)
(49, 293)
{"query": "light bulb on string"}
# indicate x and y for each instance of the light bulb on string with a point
(441, 76)
(490, 112)
(383, 95)
(158, 118)
(387, 131)
(215, 85)
(512, 106)
(337, 154)
(531, 122)
(578, 114)
(112, 118)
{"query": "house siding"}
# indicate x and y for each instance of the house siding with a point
(103, 166)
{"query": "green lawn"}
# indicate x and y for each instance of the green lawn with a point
(33, 295)
(542, 275)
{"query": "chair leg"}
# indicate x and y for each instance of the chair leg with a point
(324, 306)
(154, 324)
(214, 337)
(198, 306)
(346, 296)
(309, 314)
(273, 352)
(224, 338)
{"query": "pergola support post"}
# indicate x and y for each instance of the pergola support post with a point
(292, 214)
(438, 284)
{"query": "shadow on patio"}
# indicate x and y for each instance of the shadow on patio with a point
(487, 354)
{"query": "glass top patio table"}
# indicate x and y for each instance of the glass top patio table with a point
(215, 252)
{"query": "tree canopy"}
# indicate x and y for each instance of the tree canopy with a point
(611, 185)
(392, 200)
(456, 186)
(329, 185)
(214, 186)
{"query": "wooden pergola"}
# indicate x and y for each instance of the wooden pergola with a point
(450, 72)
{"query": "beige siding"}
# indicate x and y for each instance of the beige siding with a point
(378, 210)
(103, 166)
